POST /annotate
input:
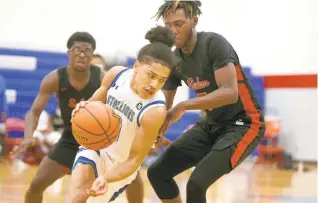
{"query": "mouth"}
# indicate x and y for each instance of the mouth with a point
(148, 91)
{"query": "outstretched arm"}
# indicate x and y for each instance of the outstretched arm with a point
(146, 135)
(48, 86)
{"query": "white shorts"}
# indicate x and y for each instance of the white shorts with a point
(101, 163)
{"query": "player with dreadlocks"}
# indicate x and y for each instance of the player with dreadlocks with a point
(234, 123)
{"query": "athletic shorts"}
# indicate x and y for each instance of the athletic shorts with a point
(64, 151)
(204, 137)
(101, 162)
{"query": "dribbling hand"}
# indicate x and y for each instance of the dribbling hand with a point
(77, 108)
(99, 187)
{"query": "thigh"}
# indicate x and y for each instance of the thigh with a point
(89, 157)
(197, 141)
(64, 153)
(243, 140)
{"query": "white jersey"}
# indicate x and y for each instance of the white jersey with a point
(130, 107)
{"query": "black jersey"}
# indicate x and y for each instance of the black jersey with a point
(212, 52)
(68, 96)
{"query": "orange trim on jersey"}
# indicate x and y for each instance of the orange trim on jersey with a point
(251, 111)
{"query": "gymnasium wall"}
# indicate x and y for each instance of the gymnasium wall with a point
(274, 38)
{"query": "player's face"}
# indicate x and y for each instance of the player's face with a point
(180, 25)
(80, 55)
(149, 78)
(98, 62)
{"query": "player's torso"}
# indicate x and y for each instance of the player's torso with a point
(68, 96)
(196, 70)
(130, 108)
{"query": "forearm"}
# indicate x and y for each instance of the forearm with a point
(31, 123)
(218, 98)
(99, 95)
(122, 170)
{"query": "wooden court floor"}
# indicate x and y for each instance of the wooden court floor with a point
(249, 183)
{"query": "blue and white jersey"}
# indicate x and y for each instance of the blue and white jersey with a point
(130, 107)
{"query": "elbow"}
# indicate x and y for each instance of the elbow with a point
(234, 96)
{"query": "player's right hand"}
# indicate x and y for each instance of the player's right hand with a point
(77, 107)
(25, 144)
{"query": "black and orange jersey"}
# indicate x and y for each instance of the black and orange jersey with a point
(68, 96)
(212, 52)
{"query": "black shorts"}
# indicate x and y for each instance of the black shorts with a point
(204, 138)
(65, 150)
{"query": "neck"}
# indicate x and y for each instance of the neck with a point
(189, 45)
(78, 75)
(133, 85)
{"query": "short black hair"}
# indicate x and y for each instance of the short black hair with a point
(81, 37)
(100, 57)
(191, 8)
(161, 41)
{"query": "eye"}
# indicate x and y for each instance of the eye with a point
(179, 24)
(162, 80)
(151, 75)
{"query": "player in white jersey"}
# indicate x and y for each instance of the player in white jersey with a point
(135, 96)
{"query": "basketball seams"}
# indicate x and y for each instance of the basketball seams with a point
(98, 122)
(73, 122)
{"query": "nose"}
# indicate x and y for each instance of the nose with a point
(82, 54)
(154, 84)
(174, 29)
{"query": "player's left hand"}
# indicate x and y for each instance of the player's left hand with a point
(162, 142)
(98, 188)
(173, 115)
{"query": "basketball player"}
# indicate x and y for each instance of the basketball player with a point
(99, 61)
(234, 123)
(75, 82)
(135, 190)
(135, 96)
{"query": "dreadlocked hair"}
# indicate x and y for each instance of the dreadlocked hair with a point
(191, 8)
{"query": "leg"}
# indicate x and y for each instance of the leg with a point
(184, 153)
(135, 191)
(82, 179)
(219, 162)
(85, 170)
(49, 171)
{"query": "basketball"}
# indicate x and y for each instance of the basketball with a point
(96, 126)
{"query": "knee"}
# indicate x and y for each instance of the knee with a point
(137, 180)
(37, 186)
(153, 172)
(195, 187)
(80, 196)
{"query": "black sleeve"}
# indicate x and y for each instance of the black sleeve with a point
(220, 52)
(173, 82)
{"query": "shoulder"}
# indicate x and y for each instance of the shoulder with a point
(51, 81)
(159, 96)
(52, 77)
(213, 39)
(154, 117)
(114, 71)
(113, 74)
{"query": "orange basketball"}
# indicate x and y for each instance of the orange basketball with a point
(96, 126)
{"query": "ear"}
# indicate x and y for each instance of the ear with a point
(195, 21)
(69, 53)
(136, 66)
